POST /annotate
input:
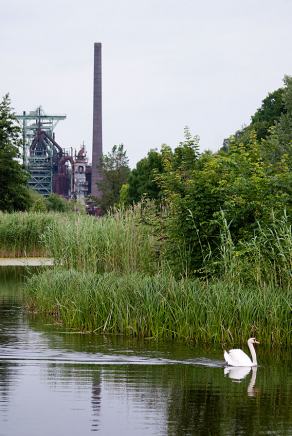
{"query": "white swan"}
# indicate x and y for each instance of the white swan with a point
(237, 357)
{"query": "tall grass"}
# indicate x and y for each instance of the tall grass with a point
(263, 260)
(161, 307)
(117, 242)
(21, 233)
(125, 243)
(109, 278)
(269, 252)
(112, 243)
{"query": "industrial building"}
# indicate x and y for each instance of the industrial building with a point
(53, 168)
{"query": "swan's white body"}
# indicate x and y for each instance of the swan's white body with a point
(238, 357)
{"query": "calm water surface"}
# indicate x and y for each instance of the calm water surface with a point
(54, 382)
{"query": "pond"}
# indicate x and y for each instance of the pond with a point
(55, 382)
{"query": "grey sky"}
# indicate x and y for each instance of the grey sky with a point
(166, 64)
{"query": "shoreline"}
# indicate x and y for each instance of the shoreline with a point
(26, 261)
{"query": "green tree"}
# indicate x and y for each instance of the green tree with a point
(179, 171)
(238, 183)
(57, 203)
(38, 202)
(272, 110)
(14, 194)
(277, 146)
(114, 170)
(178, 166)
(273, 106)
(142, 179)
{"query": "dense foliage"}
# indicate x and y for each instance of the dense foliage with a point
(114, 171)
(269, 113)
(142, 179)
(237, 191)
(14, 194)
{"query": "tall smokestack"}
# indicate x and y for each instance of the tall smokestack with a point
(97, 119)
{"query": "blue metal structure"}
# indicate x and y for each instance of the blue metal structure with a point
(41, 153)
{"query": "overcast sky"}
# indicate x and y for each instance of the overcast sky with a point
(166, 64)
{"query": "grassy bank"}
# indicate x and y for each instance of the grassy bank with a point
(114, 243)
(112, 276)
(162, 307)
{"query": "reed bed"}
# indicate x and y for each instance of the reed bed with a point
(269, 253)
(121, 243)
(117, 242)
(159, 306)
(21, 233)
(113, 243)
(263, 260)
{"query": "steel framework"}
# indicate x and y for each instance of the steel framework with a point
(41, 153)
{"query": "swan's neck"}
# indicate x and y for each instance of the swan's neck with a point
(253, 354)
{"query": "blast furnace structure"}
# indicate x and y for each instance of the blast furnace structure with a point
(53, 168)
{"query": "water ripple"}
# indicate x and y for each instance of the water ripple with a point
(113, 360)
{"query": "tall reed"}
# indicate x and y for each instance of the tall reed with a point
(21, 233)
(113, 243)
(161, 307)
(269, 252)
(262, 260)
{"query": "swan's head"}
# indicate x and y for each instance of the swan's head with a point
(252, 341)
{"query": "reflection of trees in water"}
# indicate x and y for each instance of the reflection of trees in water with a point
(9, 323)
(218, 406)
(145, 384)
(191, 400)
(194, 407)
(201, 401)
(10, 320)
(10, 311)
(206, 411)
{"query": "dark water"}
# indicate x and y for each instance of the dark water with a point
(53, 382)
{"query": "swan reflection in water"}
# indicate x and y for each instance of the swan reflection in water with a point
(238, 373)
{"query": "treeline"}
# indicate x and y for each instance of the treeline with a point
(198, 199)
